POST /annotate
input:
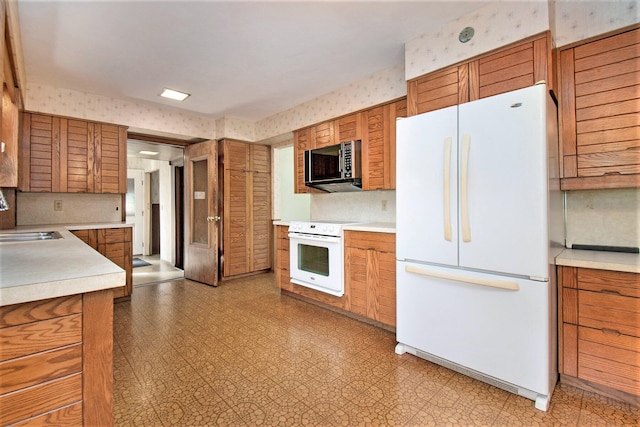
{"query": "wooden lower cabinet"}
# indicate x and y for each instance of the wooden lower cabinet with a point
(599, 331)
(370, 275)
(115, 244)
(56, 361)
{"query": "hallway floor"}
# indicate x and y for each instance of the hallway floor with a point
(158, 271)
(243, 355)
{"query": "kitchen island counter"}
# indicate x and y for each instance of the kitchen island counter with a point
(41, 269)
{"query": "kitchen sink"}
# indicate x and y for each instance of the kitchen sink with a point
(28, 236)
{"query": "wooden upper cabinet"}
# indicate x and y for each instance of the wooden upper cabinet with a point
(600, 112)
(8, 113)
(63, 155)
(303, 139)
(324, 134)
(110, 158)
(512, 67)
(379, 145)
(348, 128)
(437, 90)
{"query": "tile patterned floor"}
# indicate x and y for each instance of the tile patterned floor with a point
(243, 355)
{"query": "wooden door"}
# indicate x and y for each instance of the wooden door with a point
(200, 221)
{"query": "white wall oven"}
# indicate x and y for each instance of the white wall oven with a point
(317, 260)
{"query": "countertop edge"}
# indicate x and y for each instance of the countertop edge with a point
(600, 260)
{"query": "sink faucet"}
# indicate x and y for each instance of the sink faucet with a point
(4, 206)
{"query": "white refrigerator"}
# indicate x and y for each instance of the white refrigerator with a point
(474, 218)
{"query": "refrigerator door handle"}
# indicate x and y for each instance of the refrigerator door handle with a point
(447, 189)
(509, 285)
(464, 189)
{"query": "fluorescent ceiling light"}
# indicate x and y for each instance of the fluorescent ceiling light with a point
(149, 153)
(174, 94)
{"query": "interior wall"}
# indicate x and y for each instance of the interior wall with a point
(286, 204)
(77, 208)
(361, 206)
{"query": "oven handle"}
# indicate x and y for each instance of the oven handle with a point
(314, 238)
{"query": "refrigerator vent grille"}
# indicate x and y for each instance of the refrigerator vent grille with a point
(468, 372)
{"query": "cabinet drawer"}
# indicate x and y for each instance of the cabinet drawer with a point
(615, 282)
(18, 314)
(282, 232)
(383, 242)
(610, 359)
(70, 416)
(114, 235)
(612, 312)
(40, 399)
(114, 250)
(30, 338)
(38, 368)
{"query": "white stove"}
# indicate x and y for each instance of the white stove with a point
(324, 228)
(316, 250)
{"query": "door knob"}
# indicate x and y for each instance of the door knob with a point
(216, 218)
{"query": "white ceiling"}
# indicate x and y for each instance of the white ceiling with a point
(244, 59)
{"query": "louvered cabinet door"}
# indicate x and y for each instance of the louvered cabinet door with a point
(303, 139)
(40, 153)
(348, 128)
(77, 167)
(513, 67)
(437, 90)
(260, 207)
(110, 163)
(600, 113)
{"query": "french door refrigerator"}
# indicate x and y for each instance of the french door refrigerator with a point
(474, 219)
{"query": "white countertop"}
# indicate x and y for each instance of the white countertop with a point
(36, 270)
(615, 261)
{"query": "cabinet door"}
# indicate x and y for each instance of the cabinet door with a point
(303, 139)
(349, 128)
(599, 113)
(516, 66)
(110, 142)
(77, 157)
(440, 89)
(260, 206)
(324, 134)
(375, 148)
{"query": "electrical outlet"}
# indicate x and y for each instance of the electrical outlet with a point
(384, 205)
(57, 205)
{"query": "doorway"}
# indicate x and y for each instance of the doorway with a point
(135, 207)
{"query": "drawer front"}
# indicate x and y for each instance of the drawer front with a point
(611, 312)
(68, 416)
(40, 399)
(23, 340)
(616, 282)
(114, 235)
(114, 250)
(609, 359)
(282, 232)
(18, 314)
(31, 370)
(383, 242)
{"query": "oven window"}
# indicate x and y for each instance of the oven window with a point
(314, 259)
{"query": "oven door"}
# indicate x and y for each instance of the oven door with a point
(317, 262)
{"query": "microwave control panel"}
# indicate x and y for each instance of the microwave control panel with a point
(347, 156)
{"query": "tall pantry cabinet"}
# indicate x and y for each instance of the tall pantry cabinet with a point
(244, 181)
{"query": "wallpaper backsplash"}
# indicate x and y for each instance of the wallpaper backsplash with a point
(77, 208)
(604, 217)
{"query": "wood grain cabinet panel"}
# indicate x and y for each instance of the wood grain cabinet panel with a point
(370, 275)
(516, 66)
(57, 364)
(246, 207)
(66, 155)
(600, 112)
(115, 244)
(599, 331)
(8, 109)
(283, 274)
(303, 139)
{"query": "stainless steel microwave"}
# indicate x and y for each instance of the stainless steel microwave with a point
(334, 168)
